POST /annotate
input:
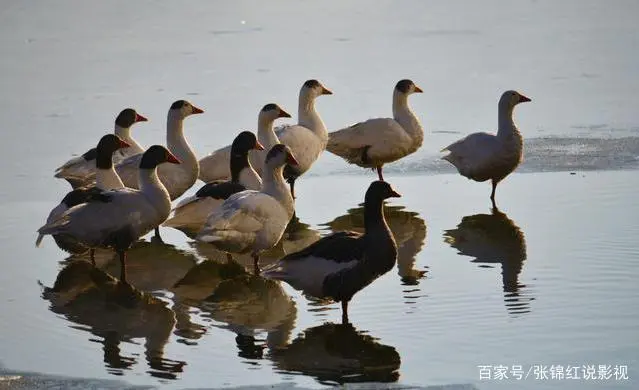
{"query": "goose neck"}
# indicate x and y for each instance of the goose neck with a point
(308, 117)
(265, 133)
(239, 161)
(506, 125)
(107, 179)
(403, 114)
(175, 140)
(273, 184)
(152, 188)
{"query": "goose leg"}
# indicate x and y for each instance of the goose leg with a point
(92, 256)
(122, 266)
(344, 312)
(492, 194)
(379, 173)
(157, 238)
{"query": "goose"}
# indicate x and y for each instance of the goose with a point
(307, 139)
(117, 218)
(190, 214)
(254, 221)
(483, 156)
(341, 264)
(378, 141)
(215, 166)
(175, 178)
(105, 179)
(80, 170)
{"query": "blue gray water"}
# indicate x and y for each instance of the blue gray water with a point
(549, 280)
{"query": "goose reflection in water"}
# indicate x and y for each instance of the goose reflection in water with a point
(408, 229)
(492, 239)
(236, 300)
(337, 354)
(297, 236)
(116, 312)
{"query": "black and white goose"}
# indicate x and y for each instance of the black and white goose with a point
(80, 171)
(191, 213)
(117, 218)
(105, 179)
(343, 263)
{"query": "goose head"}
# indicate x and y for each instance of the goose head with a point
(280, 155)
(271, 112)
(156, 155)
(128, 117)
(312, 89)
(378, 191)
(108, 145)
(407, 87)
(244, 142)
(182, 108)
(512, 98)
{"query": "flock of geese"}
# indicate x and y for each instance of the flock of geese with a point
(122, 192)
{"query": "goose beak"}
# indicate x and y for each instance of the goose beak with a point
(258, 146)
(284, 114)
(291, 160)
(524, 99)
(140, 118)
(123, 144)
(172, 159)
(197, 110)
(326, 91)
(418, 90)
(395, 194)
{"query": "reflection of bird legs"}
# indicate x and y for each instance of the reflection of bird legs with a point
(379, 173)
(122, 255)
(256, 263)
(92, 256)
(344, 312)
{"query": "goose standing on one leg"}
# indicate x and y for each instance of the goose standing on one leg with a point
(190, 214)
(215, 166)
(483, 156)
(80, 170)
(116, 218)
(105, 179)
(176, 178)
(341, 264)
(254, 221)
(378, 141)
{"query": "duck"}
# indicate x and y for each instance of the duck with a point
(379, 141)
(307, 139)
(190, 214)
(254, 221)
(117, 218)
(339, 265)
(80, 171)
(483, 156)
(105, 179)
(215, 166)
(177, 179)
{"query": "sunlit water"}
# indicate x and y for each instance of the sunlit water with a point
(550, 279)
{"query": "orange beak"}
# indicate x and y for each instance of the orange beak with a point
(291, 160)
(197, 110)
(140, 118)
(284, 114)
(418, 90)
(326, 91)
(258, 146)
(523, 99)
(172, 159)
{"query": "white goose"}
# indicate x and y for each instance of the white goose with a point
(105, 179)
(307, 140)
(80, 170)
(176, 178)
(375, 142)
(341, 264)
(483, 156)
(215, 166)
(254, 221)
(190, 214)
(117, 218)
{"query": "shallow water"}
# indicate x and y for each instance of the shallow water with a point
(548, 280)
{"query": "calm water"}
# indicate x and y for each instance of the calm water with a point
(548, 280)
